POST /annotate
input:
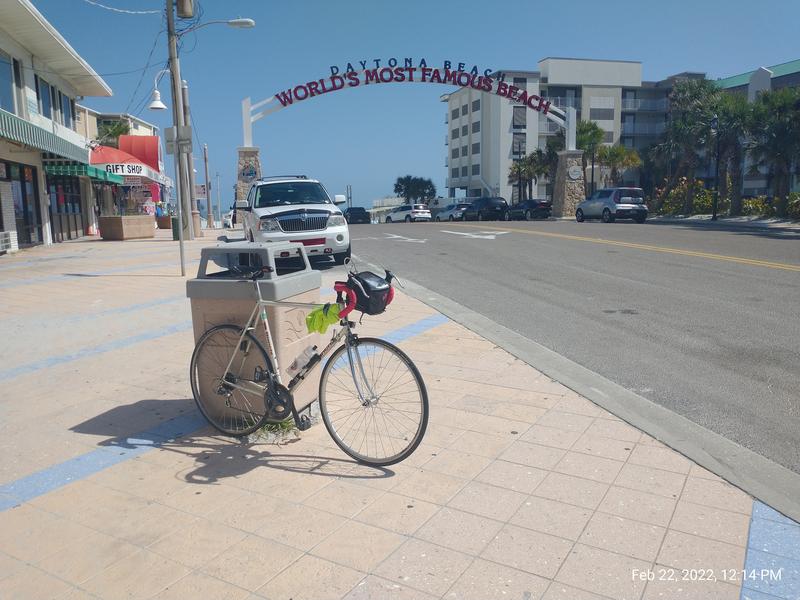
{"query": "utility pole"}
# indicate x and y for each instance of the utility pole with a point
(177, 119)
(219, 200)
(187, 120)
(209, 210)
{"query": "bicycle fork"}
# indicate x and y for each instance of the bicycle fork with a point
(354, 357)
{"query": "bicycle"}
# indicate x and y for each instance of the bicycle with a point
(372, 397)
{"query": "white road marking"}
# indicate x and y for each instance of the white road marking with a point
(402, 238)
(480, 235)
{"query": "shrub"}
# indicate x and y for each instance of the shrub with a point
(758, 206)
(793, 208)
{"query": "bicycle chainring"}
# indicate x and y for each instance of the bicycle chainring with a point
(279, 401)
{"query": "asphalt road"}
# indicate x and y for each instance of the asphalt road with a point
(703, 321)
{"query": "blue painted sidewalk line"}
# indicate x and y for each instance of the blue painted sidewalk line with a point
(43, 260)
(772, 563)
(80, 467)
(52, 361)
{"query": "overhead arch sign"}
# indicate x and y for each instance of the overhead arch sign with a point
(410, 72)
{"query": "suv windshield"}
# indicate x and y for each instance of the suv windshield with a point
(294, 192)
(357, 209)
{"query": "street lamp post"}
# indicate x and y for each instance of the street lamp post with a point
(715, 197)
(211, 223)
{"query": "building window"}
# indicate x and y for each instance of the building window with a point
(518, 144)
(601, 114)
(464, 130)
(6, 83)
(454, 113)
(476, 127)
(454, 132)
(43, 95)
(464, 150)
(476, 148)
(520, 119)
(476, 105)
(476, 169)
(608, 137)
(454, 172)
(520, 82)
(627, 142)
(454, 153)
(20, 91)
(464, 171)
(465, 109)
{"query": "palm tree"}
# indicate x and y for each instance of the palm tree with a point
(776, 140)
(734, 121)
(108, 133)
(688, 132)
(517, 174)
(588, 137)
(618, 158)
(536, 168)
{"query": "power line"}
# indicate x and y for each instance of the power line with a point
(141, 77)
(122, 10)
(61, 73)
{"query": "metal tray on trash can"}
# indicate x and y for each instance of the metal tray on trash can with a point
(223, 293)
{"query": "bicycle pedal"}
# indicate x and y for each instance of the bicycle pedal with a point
(303, 423)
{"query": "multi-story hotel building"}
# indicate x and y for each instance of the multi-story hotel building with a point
(486, 132)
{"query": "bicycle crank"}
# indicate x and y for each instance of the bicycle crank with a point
(279, 401)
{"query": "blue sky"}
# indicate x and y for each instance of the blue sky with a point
(368, 136)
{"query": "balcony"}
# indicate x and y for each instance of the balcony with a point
(643, 128)
(645, 104)
(563, 102)
(548, 127)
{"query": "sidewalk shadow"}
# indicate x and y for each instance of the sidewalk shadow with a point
(177, 426)
(771, 233)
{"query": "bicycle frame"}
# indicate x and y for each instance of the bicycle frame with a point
(259, 312)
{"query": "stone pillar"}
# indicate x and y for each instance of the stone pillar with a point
(568, 188)
(248, 168)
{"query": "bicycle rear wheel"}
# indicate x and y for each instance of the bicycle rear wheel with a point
(232, 410)
(375, 411)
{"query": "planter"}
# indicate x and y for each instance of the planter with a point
(127, 227)
(164, 222)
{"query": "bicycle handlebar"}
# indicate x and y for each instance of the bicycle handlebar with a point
(350, 305)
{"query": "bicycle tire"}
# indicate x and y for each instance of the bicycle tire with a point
(208, 401)
(331, 426)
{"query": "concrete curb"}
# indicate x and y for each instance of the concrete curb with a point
(760, 477)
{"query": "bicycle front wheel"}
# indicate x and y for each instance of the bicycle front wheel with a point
(373, 402)
(232, 402)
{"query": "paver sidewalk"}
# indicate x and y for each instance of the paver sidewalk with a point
(112, 486)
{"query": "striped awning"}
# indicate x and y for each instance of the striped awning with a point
(79, 170)
(23, 132)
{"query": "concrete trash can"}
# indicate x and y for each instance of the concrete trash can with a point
(222, 293)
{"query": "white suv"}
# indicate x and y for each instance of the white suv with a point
(408, 213)
(295, 209)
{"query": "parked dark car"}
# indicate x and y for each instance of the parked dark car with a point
(356, 214)
(529, 209)
(486, 209)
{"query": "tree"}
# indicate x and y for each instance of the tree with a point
(414, 188)
(108, 133)
(735, 118)
(776, 140)
(618, 158)
(588, 137)
(688, 133)
(536, 167)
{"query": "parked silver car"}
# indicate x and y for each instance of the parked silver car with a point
(453, 212)
(610, 204)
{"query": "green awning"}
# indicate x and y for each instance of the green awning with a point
(78, 170)
(24, 132)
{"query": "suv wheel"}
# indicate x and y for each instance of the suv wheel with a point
(342, 257)
(480, 216)
(437, 218)
(579, 215)
(607, 218)
(450, 218)
(388, 219)
(408, 219)
(527, 215)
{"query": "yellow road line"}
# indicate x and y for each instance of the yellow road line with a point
(579, 238)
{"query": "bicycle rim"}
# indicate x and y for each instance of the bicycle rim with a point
(230, 410)
(392, 423)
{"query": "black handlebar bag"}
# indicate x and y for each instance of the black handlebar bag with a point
(372, 292)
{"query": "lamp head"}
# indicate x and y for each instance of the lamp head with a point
(155, 102)
(242, 23)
